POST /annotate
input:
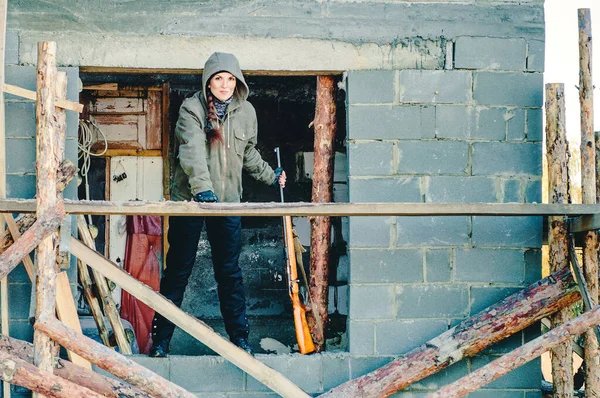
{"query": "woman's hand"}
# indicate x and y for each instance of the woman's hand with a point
(280, 177)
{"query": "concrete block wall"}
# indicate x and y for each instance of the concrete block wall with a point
(20, 173)
(470, 133)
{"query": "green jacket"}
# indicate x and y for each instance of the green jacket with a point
(218, 166)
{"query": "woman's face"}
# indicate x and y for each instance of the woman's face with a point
(222, 85)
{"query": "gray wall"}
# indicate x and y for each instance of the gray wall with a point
(444, 105)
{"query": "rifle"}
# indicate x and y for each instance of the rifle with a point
(305, 343)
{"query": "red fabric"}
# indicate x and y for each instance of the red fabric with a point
(143, 260)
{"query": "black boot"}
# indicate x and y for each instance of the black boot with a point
(160, 349)
(243, 343)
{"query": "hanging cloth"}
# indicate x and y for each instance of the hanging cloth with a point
(143, 261)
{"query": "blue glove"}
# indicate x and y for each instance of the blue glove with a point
(206, 197)
(278, 172)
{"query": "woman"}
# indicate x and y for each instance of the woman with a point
(216, 132)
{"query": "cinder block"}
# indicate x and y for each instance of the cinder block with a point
(340, 192)
(361, 366)
(20, 186)
(502, 158)
(160, 366)
(361, 337)
(435, 86)
(11, 51)
(20, 297)
(18, 274)
(535, 55)
(527, 376)
(372, 301)
(432, 157)
(370, 86)
(341, 304)
(535, 125)
(432, 301)
(508, 88)
(336, 369)
(432, 231)
(340, 166)
(384, 122)
(533, 191)
(428, 121)
(490, 53)
(205, 373)
(507, 231)
(490, 123)
(303, 370)
(370, 231)
(489, 265)
(533, 394)
(20, 155)
(386, 266)
(20, 119)
(22, 76)
(399, 337)
(512, 191)
(437, 265)
(370, 158)
(496, 394)
(451, 189)
(443, 377)
(516, 125)
(483, 297)
(505, 346)
(398, 189)
(533, 265)
(453, 121)
(21, 329)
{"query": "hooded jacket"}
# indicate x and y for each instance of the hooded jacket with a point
(218, 166)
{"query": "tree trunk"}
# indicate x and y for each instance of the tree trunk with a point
(14, 370)
(557, 155)
(106, 386)
(42, 228)
(46, 166)
(320, 226)
(110, 360)
(520, 356)
(469, 337)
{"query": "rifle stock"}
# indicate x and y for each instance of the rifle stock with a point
(305, 342)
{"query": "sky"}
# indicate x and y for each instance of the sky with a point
(562, 56)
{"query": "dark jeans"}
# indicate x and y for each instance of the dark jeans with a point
(224, 235)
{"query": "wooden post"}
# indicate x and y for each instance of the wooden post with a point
(110, 308)
(320, 226)
(194, 327)
(588, 190)
(106, 386)
(558, 158)
(521, 356)
(46, 166)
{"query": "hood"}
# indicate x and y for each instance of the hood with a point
(219, 62)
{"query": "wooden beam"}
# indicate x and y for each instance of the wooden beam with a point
(194, 327)
(182, 71)
(520, 356)
(322, 192)
(46, 166)
(584, 223)
(466, 339)
(273, 209)
(557, 155)
(110, 360)
(24, 93)
(14, 370)
(107, 386)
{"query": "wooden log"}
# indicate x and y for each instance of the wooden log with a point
(520, 356)
(320, 226)
(557, 155)
(194, 327)
(62, 257)
(41, 229)
(46, 165)
(110, 308)
(111, 361)
(588, 192)
(14, 370)
(65, 174)
(469, 337)
(22, 92)
(103, 385)
(275, 209)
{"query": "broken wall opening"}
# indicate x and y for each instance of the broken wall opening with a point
(285, 106)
